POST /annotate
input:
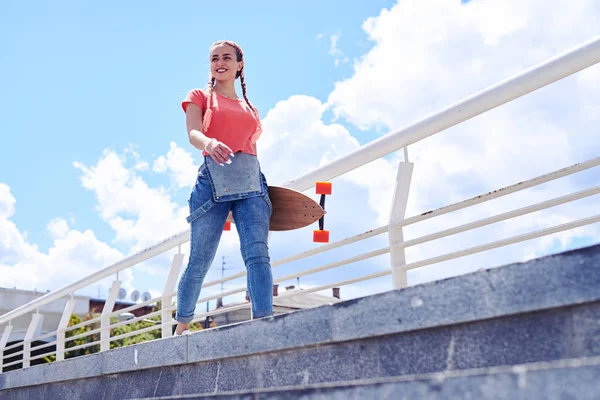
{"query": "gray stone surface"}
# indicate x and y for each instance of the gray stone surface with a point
(545, 309)
(74, 368)
(501, 342)
(155, 353)
(34, 375)
(553, 281)
(196, 378)
(586, 331)
(574, 379)
(334, 362)
(297, 329)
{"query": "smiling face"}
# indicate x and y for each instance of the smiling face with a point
(225, 62)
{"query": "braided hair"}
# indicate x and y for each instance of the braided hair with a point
(239, 74)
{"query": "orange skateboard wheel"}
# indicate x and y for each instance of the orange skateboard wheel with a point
(321, 236)
(323, 188)
(227, 226)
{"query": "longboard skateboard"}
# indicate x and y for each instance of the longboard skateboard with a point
(294, 210)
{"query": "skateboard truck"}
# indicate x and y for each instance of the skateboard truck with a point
(321, 235)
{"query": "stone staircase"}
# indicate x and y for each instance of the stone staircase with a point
(521, 331)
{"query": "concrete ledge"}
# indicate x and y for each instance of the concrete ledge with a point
(296, 329)
(553, 282)
(572, 379)
(568, 278)
(156, 353)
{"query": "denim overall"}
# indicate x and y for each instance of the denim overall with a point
(239, 187)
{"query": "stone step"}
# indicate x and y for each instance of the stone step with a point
(554, 380)
(543, 310)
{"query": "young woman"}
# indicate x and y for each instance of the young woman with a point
(225, 128)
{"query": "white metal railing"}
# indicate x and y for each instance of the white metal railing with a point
(532, 79)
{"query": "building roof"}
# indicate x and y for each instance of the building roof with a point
(304, 300)
(298, 301)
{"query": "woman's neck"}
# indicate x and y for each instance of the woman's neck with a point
(226, 89)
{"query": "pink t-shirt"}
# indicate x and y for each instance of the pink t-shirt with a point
(232, 123)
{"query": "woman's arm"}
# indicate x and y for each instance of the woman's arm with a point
(193, 121)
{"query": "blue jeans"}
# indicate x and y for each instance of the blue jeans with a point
(207, 218)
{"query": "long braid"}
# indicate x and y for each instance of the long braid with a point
(254, 109)
(208, 112)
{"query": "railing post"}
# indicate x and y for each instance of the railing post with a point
(34, 327)
(395, 233)
(167, 297)
(105, 318)
(62, 326)
(3, 342)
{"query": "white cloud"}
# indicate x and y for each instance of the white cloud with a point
(7, 201)
(180, 164)
(335, 51)
(141, 215)
(129, 205)
(58, 228)
(72, 256)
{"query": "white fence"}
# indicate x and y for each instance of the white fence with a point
(541, 75)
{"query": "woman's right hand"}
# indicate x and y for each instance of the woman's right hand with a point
(219, 151)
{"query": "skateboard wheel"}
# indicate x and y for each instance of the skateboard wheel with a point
(227, 226)
(321, 236)
(323, 188)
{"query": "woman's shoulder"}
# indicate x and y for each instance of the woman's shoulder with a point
(196, 96)
(198, 92)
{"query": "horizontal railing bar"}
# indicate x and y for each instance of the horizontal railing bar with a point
(503, 192)
(503, 242)
(81, 335)
(44, 336)
(10, 364)
(308, 253)
(340, 243)
(501, 217)
(82, 346)
(219, 295)
(84, 323)
(40, 346)
(134, 307)
(536, 77)
(14, 346)
(136, 319)
(328, 266)
(42, 355)
(337, 284)
(137, 332)
(11, 355)
(336, 264)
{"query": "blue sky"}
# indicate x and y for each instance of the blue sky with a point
(81, 77)
(95, 162)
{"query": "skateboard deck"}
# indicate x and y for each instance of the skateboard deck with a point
(291, 209)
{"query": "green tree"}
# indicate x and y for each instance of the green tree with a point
(117, 331)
